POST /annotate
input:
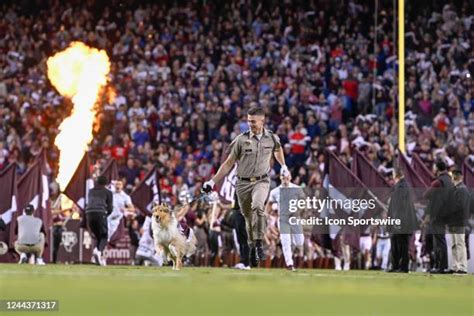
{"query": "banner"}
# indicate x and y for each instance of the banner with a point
(77, 245)
(32, 188)
(147, 192)
(422, 170)
(227, 187)
(366, 172)
(80, 183)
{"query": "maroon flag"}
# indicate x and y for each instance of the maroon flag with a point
(415, 181)
(8, 206)
(32, 188)
(8, 194)
(111, 170)
(346, 183)
(413, 178)
(366, 172)
(342, 184)
(468, 173)
(342, 178)
(45, 210)
(420, 168)
(226, 187)
(80, 183)
(43, 158)
(147, 192)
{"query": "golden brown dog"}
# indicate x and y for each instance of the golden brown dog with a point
(168, 237)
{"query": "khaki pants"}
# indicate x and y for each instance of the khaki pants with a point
(458, 249)
(252, 197)
(36, 249)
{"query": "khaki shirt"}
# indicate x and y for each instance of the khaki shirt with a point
(252, 154)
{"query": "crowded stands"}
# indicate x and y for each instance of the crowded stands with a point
(185, 73)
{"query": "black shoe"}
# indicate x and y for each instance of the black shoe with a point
(459, 272)
(253, 257)
(260, 254)
(393, 270)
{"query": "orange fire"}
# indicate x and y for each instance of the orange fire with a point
(79, 72)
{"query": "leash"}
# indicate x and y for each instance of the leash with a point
(196, 199)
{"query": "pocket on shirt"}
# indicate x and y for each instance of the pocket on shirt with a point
(267, 149)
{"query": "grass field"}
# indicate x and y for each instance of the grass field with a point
(91, 290)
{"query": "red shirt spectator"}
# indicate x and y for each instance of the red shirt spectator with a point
(298, 140)
(119, 152)
(351, 88)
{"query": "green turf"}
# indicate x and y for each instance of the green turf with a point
(88, 290)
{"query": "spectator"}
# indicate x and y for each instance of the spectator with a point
(458, 221)
(438, 207)
(130, 172)
(31, 236)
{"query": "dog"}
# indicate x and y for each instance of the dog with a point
(169, 236)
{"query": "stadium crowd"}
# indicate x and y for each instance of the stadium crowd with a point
(186, 72)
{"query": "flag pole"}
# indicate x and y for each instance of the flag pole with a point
(401, 75)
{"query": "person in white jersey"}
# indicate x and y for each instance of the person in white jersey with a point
(383, 246)
(146, 253)
(122, 207)
(293, 235)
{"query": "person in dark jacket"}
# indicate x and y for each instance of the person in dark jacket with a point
(439, 204)
(457, 223)
(401, 207)
(99, 206)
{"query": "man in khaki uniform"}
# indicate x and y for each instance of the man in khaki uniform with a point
(253, 150)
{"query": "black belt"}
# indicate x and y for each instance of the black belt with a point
(253, 179)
